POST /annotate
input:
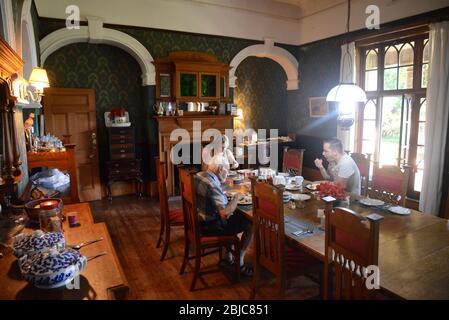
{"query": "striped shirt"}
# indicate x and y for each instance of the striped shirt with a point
(210, 196)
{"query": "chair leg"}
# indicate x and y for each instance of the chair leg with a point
(166, 242)
(237, 260)
(186, 256)
(196, 272)
(161, 233)
(255, 281)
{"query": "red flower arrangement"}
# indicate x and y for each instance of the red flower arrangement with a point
(116, 112)
(332, 189)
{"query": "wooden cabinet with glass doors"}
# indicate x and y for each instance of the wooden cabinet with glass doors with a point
(191, 76)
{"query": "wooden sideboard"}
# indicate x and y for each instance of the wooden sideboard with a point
(166, 125)
(102, 279)
(63, 160)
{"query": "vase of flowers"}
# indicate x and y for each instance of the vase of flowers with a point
(333, 189)
(117, 115)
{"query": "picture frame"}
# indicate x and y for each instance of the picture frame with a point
(318, 107)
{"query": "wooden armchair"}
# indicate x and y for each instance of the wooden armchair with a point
(292, 161)
(169, 218)
(389, 184)
(364, 164)
(201, 245)
(351, 245)
(270, 249)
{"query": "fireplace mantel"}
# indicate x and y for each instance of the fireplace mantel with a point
(166, 124)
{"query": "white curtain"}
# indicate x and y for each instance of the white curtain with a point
(436, 118)
(347, 75)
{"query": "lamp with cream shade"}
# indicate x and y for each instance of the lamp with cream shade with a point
(39, 79)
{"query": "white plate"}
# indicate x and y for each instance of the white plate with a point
(312, 186)
(400, 210)
(293, 187)
(245, 202)
(301, 197)
(232, 173)
(243, 171)
(371, 202)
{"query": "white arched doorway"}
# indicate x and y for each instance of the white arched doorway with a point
(96, 33)
(267, 50)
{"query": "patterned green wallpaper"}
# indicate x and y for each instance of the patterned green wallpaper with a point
(261, 82)
(113, 73)
(319, 69)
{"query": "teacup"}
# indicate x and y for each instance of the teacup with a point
(286, 197)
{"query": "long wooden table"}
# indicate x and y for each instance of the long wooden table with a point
(413, 249)
(102, 279)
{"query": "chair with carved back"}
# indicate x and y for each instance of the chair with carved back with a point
(351, 247)
(201, 245)
(389, 183)
(271, 251)
(363, 162)
(292, 161)
(169, 217)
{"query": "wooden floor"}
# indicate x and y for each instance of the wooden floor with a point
(134, 227)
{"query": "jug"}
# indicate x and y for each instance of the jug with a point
(159, 109)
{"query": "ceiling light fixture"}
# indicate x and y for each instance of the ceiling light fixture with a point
(347, 92)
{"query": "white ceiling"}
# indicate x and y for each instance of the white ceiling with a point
(288, 9)
(285, 21)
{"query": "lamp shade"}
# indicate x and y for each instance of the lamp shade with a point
(346, 92)
(39, 78)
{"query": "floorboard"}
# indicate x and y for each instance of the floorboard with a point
(134, 227)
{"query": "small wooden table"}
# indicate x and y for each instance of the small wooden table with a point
(103, 277)
(413, 249)
(63, 160)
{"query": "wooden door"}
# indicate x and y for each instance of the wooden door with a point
(72, 111)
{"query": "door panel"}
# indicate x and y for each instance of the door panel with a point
(72, 111)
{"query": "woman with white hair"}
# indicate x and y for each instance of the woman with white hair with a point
(212, 150)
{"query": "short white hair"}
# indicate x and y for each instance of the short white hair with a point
(217, 162)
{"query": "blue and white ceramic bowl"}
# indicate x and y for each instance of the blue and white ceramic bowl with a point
(37, 242)
(53, 268)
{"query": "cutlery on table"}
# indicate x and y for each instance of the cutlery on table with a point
(97, 255)
(83, 244)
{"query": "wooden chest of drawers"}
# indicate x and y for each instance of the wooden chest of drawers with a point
(123, 164)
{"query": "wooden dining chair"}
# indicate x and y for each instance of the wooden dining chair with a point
(351, 246)
(201, 245)
(292, 161)
(169, 217)
(389, 183)
(363, 162)
(271, 251)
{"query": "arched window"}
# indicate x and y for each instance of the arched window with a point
(391, 126)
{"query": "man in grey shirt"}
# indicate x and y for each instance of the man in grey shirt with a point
(342, 168)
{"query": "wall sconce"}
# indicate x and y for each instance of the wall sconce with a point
(39, 81)
(239, 114)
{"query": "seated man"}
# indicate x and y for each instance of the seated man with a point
(342, 168)
(217, 216)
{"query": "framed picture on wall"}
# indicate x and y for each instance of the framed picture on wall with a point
(318, 107)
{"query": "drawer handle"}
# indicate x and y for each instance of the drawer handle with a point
(122, 150)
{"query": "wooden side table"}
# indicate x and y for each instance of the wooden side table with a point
(63, 160)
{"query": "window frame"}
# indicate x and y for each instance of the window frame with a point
(415, 94)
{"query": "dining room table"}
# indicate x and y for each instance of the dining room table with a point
(413, 247)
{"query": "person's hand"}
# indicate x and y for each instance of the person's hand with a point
(319, 163)
(239, 196)
(235, 165)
